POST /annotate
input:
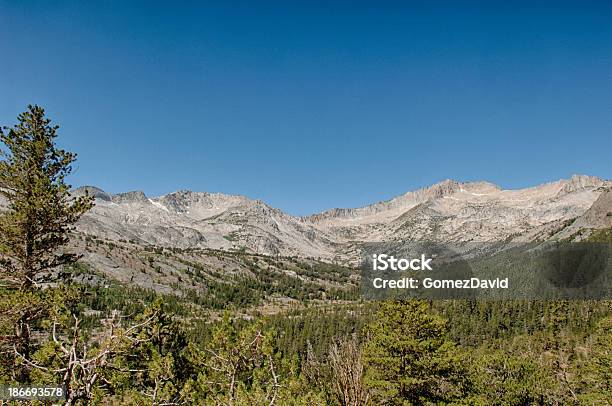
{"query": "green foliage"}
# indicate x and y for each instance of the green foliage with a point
(410, 361)
(40, 210)
(603, 235)
(315, 328)
(235, 364)
(34, 228)
(504, 379)
(243, 366)
(151, 362)
(595, 369)
(477, 322)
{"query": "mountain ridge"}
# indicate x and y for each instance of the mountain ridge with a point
(448, 211)
(438, 189)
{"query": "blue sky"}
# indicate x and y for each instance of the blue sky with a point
(317, 104)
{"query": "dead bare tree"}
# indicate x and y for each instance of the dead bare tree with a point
(81, 366)
(341, 371)
(347, 370)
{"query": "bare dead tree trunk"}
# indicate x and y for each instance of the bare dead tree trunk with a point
(81, 369)
(345, 361)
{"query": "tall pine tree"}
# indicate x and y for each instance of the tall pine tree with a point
(35, 225)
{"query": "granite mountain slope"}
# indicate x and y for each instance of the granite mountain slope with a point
(448, 211)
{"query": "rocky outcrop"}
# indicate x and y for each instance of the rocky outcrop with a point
(598, 216)
(130, 197)
(97, 193)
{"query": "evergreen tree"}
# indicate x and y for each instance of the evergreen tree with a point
(504, 379)
(409, 360)
(36, 225)
(595, 372)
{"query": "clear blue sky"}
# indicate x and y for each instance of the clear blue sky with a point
(317, 104)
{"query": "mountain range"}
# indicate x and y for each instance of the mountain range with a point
(449, 211)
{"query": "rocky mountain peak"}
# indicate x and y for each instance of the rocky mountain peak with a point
(136, 196)
(179, 200)
(184, 200)
(97, 193)
(578, 182)
(441, 189)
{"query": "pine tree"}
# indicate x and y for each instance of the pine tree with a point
(38, 219)
(409, 360)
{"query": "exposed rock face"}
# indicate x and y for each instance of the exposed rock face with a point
(449, 211)
(204, 220)
(461, 212)
(598, 216)
(98, 193)
(129, 197)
